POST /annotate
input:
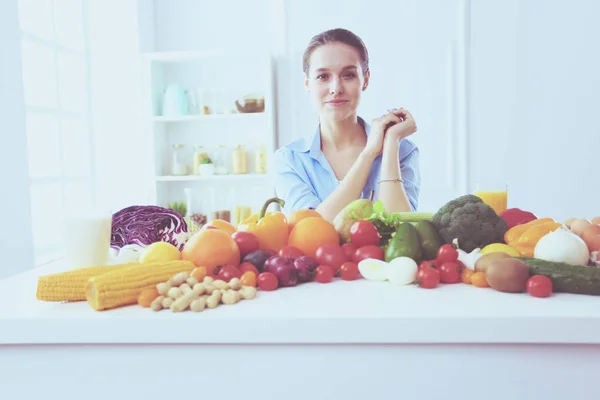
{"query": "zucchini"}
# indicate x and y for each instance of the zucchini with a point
(566, 278)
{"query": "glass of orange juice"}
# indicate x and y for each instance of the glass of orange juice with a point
(494, 194)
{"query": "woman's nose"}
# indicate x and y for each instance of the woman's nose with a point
(335, 87)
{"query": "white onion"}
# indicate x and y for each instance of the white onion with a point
(562, 246)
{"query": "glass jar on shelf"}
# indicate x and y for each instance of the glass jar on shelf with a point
(200, 154)
(220, 160)
(239, 160)
(260, 160)
(178, 166)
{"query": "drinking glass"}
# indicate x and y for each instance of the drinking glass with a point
(86, 237)
(494, 194)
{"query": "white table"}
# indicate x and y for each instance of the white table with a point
(343, 340)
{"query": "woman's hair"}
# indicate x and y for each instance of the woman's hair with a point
(336, 35)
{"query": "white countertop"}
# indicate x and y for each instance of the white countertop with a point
(336, 313)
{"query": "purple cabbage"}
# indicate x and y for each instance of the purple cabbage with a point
(147, 224)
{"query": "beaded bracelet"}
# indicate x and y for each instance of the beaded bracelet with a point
(392, 180)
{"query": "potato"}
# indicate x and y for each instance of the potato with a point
(507, 275)
(482, 262)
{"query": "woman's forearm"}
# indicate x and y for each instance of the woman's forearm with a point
(391, 190)
(349, 189)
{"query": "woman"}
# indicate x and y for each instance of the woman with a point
(346, 158)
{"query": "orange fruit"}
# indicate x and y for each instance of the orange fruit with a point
(222, 225)
(211, 248)
(310, 233)
(299, 215)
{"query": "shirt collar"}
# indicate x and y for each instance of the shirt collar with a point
(313, 146)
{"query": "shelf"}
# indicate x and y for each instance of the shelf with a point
(188, 118)
(187, 178)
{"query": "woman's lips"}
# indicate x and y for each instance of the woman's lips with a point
(337, 102)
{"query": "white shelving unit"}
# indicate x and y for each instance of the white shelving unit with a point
(215, 80)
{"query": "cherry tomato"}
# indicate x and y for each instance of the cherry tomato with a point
(369, 251)
(247, 266)
(349, 250)
(199, 273)
(447, 253)
(229, 272)
(428, 277)
(332, 255)
(247, 242)
(466, 274)
(364, 233)
(450, 272)
(539, 286)
(267, 281)
(324, 274)
(427, 263)
(248, 279)
(349, 271)
(478, 280)
(290, 252)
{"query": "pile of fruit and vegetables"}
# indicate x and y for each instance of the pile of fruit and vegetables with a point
(160, 262)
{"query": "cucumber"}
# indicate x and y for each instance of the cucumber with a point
(431, 241)
(566, 278)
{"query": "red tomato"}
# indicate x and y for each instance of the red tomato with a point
(247, 266)
(369, 251)
(332, 255)
(349, 250)
(349, 271)
(447, 253)
(267, 281)
(247, 242)
(364, 233)
(450, 272)
(428, 277)
(539, 286)
(324, 274)
(229, 272)
(290, 252)
(427, 263)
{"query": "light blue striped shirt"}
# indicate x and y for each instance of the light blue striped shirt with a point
(304, 178)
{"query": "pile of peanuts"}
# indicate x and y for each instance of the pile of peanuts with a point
(182, 291)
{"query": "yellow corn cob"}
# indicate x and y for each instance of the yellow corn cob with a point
(120, 288)
(70, 285)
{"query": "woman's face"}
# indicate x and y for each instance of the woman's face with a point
(336, 80)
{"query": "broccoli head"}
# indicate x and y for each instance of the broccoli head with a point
(468, 219)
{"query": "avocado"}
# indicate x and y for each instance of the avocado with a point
(405, 243)
(430, 238)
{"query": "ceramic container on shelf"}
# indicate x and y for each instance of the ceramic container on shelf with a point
(175, 101)
(206, 169)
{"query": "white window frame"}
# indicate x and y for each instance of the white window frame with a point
(56, 253)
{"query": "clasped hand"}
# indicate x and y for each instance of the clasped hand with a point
(389, 129)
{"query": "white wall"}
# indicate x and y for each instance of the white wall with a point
(16, 244)
(121, 144)
(535, 97)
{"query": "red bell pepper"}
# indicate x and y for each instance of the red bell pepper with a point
(516, 216)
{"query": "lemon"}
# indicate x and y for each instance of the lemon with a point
(160, 252)
(500, 248)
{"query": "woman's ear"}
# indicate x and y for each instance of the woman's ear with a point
(306, 82)
(366, 83)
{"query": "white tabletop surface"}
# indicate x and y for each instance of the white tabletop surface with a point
(339, 312)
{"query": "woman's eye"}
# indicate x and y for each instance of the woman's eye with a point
(322, 76)
(350, 75)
